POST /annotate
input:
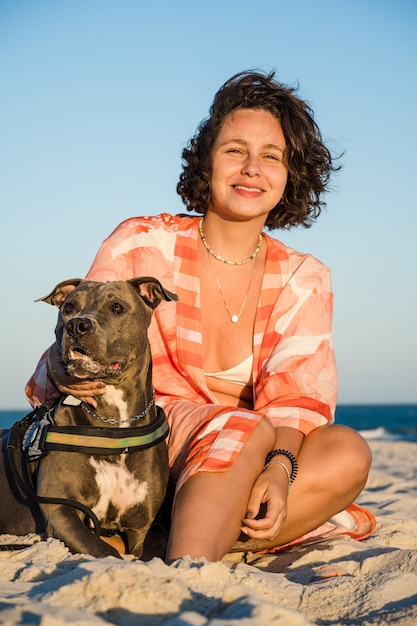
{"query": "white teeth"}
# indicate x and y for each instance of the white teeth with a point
(74, 355)
(247, 188)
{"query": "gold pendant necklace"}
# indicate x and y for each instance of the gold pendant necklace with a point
(235, 317)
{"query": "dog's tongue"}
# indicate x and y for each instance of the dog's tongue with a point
(115, 366)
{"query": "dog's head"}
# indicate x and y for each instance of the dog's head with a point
(102, 327)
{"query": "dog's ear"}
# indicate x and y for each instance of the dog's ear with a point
(61, 292)
(151, 290)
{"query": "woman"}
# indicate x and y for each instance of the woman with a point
(243, 364)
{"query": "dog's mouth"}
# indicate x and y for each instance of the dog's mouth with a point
(78, 361)
(78, 354)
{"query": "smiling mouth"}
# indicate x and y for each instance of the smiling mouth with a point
(250, 189)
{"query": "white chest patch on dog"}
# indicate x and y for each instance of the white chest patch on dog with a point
(114, 397)
(117, 486)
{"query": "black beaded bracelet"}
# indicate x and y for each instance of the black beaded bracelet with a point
(290, 457)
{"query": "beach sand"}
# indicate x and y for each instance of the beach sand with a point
(336, 581)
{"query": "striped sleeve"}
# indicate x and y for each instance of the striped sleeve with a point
(298, 381)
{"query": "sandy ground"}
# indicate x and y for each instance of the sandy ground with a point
(337, 581)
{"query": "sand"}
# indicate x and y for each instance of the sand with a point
(336, 581)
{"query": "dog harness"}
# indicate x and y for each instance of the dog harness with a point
(42, 435)
(36, 434)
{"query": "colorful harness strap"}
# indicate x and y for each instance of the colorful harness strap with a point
(41, 435)
(94, 440)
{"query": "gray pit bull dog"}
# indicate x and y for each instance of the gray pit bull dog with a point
(68, 468)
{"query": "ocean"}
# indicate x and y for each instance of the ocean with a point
(375, 421)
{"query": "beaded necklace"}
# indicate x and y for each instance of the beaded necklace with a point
(220, 258)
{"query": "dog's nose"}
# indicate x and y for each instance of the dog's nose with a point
(79, 326)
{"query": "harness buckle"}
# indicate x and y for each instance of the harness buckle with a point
(34, 436)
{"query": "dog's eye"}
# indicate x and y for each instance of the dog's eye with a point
(68, 308)
(117, 308)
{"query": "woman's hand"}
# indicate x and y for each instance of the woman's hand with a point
(85, 390)
(271, 491)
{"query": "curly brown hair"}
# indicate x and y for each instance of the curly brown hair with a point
(308, 161)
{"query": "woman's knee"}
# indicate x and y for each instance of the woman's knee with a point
(343, 451)
(356, 449)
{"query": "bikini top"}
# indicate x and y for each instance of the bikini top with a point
(240, 374)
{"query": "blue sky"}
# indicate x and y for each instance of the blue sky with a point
(99, 97)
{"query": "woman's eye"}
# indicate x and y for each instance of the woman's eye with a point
(117, 308)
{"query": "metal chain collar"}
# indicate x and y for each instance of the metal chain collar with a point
(112, 420)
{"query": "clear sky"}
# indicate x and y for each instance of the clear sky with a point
(98, 98)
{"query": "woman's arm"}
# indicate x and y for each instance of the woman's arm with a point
(270, 490)
(297, 388)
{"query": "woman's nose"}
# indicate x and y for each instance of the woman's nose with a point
(251, 166)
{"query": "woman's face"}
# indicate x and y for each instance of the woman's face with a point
(248, 174)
